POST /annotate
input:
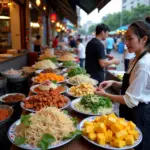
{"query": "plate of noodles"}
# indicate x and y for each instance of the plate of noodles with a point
(54, 128)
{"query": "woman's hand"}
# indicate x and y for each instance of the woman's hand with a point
(106, 84)
(100, 92)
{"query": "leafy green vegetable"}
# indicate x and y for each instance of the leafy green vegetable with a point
(72, 134)
(76, 71)
(54, 81)
(69, 64)
(19, 140)
(94, 102)
(53, 59)
(75, 121)
(65, 112)
(25, 119)
(46, 140)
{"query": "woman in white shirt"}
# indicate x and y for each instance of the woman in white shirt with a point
(81, 52)
(135, 98)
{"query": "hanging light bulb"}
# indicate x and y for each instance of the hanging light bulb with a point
(44, 7)
(38, 2)
(10, 3)
(57, 24)
(61, 25)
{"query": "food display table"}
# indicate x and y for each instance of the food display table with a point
(17, 61)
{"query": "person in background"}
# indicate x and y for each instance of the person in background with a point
(96, 61)
(135, 88)
(72, 42)
(55, 42)
(81, 52)
(127, 57)
(37, 44)
(110, 44)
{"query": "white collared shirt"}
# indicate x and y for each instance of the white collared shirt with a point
(139, 89)
(81, 49)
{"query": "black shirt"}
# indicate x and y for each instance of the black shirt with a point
(72, 43)
(94, 51)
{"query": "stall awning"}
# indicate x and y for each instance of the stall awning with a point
(68, 7)
(89, 5)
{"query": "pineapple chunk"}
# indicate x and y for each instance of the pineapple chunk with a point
(118, 143)
(100, 128)
(101, 139)
(121, 134)
(89, 129)
(129, 140)
(116, 127)
(131, 124)
(92, 136)
(108, 136)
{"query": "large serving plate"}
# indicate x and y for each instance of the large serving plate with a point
(45, 80)
(12, 135)
(12, 76)
(2, 97)
(72, 105)
(67, 81)
(107, 146)
(32, 89)
(33, 111)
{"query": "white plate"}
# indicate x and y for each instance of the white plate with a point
(33, 111)
(107, 146)
(32, 89)
(67, 81)
(12, 76)
(44, 81)
(1, 98)
(11, 135)
(115, 108)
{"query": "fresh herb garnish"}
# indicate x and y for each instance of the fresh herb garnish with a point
(76, 71)
(54, 81)
(72, 134)
(65, 112)
(95, 102)
(25, 119)
(46, 140)
(53, 59)
(75, 121)
(69, 64)
(19, 140)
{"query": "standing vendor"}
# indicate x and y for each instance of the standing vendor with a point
(96, 61)
(135, 98)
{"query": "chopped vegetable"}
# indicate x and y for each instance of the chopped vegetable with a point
(76, 71)
(69, 64)
(25, 119)
(94, 102)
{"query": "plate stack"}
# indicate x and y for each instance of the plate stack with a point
(3, 84)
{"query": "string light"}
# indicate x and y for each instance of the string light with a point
(38, 2)
(44, 7)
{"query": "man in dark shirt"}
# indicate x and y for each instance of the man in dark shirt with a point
(72, 42)
(95, 54)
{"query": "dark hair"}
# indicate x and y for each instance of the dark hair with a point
(38, 37)
(57, 37)
(80, 40)
(141, 29)
(100, 28)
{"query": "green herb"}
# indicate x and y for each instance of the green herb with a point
(75, 121)
(53, 59)
(46, 140)
(69, 63)
(54, 81)
(25, 119)
(65, 112)
(94, 102)
(72, 134)
(19, 140)
(76, 71)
